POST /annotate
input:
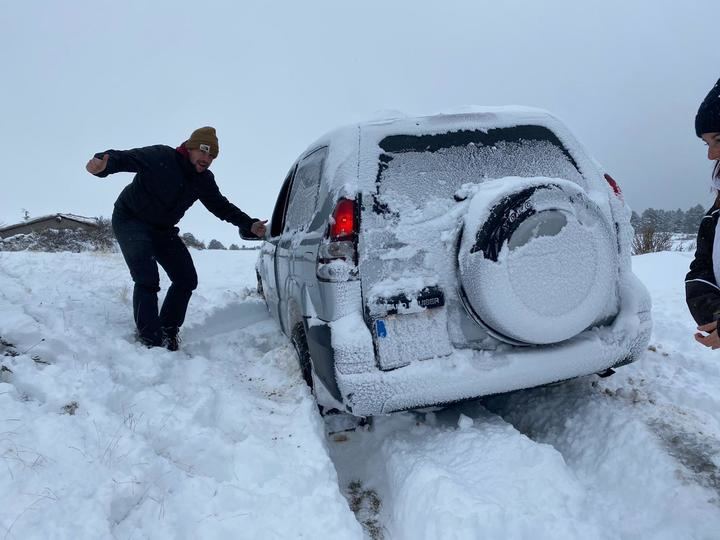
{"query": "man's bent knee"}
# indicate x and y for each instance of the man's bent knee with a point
(188, 280)
(189, 284)
(148, 287)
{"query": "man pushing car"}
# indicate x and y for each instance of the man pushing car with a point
(167, 182)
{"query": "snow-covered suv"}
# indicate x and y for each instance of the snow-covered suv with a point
(419, 261)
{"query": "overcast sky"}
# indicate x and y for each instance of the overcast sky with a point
(83, 76)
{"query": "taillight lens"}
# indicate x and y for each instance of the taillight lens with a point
(337, 254)
(344, 220)
(614, 185)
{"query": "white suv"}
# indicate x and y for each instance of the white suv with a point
(420, 261)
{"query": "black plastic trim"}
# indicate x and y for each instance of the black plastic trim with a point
(503, 221)
(319, 343)
(428, 298)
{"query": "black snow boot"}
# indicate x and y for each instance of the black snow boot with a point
(147, 341)
(171, 339)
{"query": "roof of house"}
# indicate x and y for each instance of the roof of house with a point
(54, 217)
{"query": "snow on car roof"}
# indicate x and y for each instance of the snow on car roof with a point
(472, 117)
(465, 118)
(359, 142)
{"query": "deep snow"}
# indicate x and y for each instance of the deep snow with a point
(100, 438)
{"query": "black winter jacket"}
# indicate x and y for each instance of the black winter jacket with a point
(701, 290)
(166, 185)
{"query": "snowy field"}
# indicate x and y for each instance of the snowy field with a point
(101, 438)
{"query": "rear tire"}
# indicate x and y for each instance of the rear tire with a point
(299, 341)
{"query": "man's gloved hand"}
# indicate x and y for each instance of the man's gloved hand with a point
(258, 228)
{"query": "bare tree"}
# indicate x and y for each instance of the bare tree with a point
(647, 240)
(102, 236)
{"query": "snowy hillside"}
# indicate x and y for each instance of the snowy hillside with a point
(101, 438)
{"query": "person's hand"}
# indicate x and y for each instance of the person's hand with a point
(96, 165)
(712, 339)
(258, 228)
(709, 327)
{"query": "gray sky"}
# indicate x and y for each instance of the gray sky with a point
(83, 76)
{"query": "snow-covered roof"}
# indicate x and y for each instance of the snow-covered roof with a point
(54, 217)
(361, 141)
(470, 117)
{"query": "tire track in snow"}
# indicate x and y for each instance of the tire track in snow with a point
(644, 467)
(611, 463)
(460, 472)
(689, 436)
(231, 317)
(694, 450)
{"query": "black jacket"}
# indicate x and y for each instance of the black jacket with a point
(701, 290)
(166, 185)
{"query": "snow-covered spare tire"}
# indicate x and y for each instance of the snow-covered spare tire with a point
(537, 262)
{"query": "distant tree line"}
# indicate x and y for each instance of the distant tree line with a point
(191, 241)
(672, 221)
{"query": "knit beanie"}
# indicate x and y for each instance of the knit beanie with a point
(707, 119)
(204, 136)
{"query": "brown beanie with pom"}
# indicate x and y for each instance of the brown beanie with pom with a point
(204, 136)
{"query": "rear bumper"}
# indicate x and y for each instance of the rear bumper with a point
(468, 374)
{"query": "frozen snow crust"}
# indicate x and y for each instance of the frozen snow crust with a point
(224, 440)
(101, 438)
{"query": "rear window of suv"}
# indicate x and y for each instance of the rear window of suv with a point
(415, 169)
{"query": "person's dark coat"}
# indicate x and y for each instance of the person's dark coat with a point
(702, 292)
(166, 184)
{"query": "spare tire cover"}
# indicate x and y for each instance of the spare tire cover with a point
(537, 262)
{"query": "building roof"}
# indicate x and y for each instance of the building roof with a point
(53, 217)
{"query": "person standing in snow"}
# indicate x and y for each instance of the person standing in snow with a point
(167, 182)
(702, 283)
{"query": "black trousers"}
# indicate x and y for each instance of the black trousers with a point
(143, 247)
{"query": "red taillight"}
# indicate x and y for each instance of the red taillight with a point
(337, 253)
(344, 221)
(614, 185)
